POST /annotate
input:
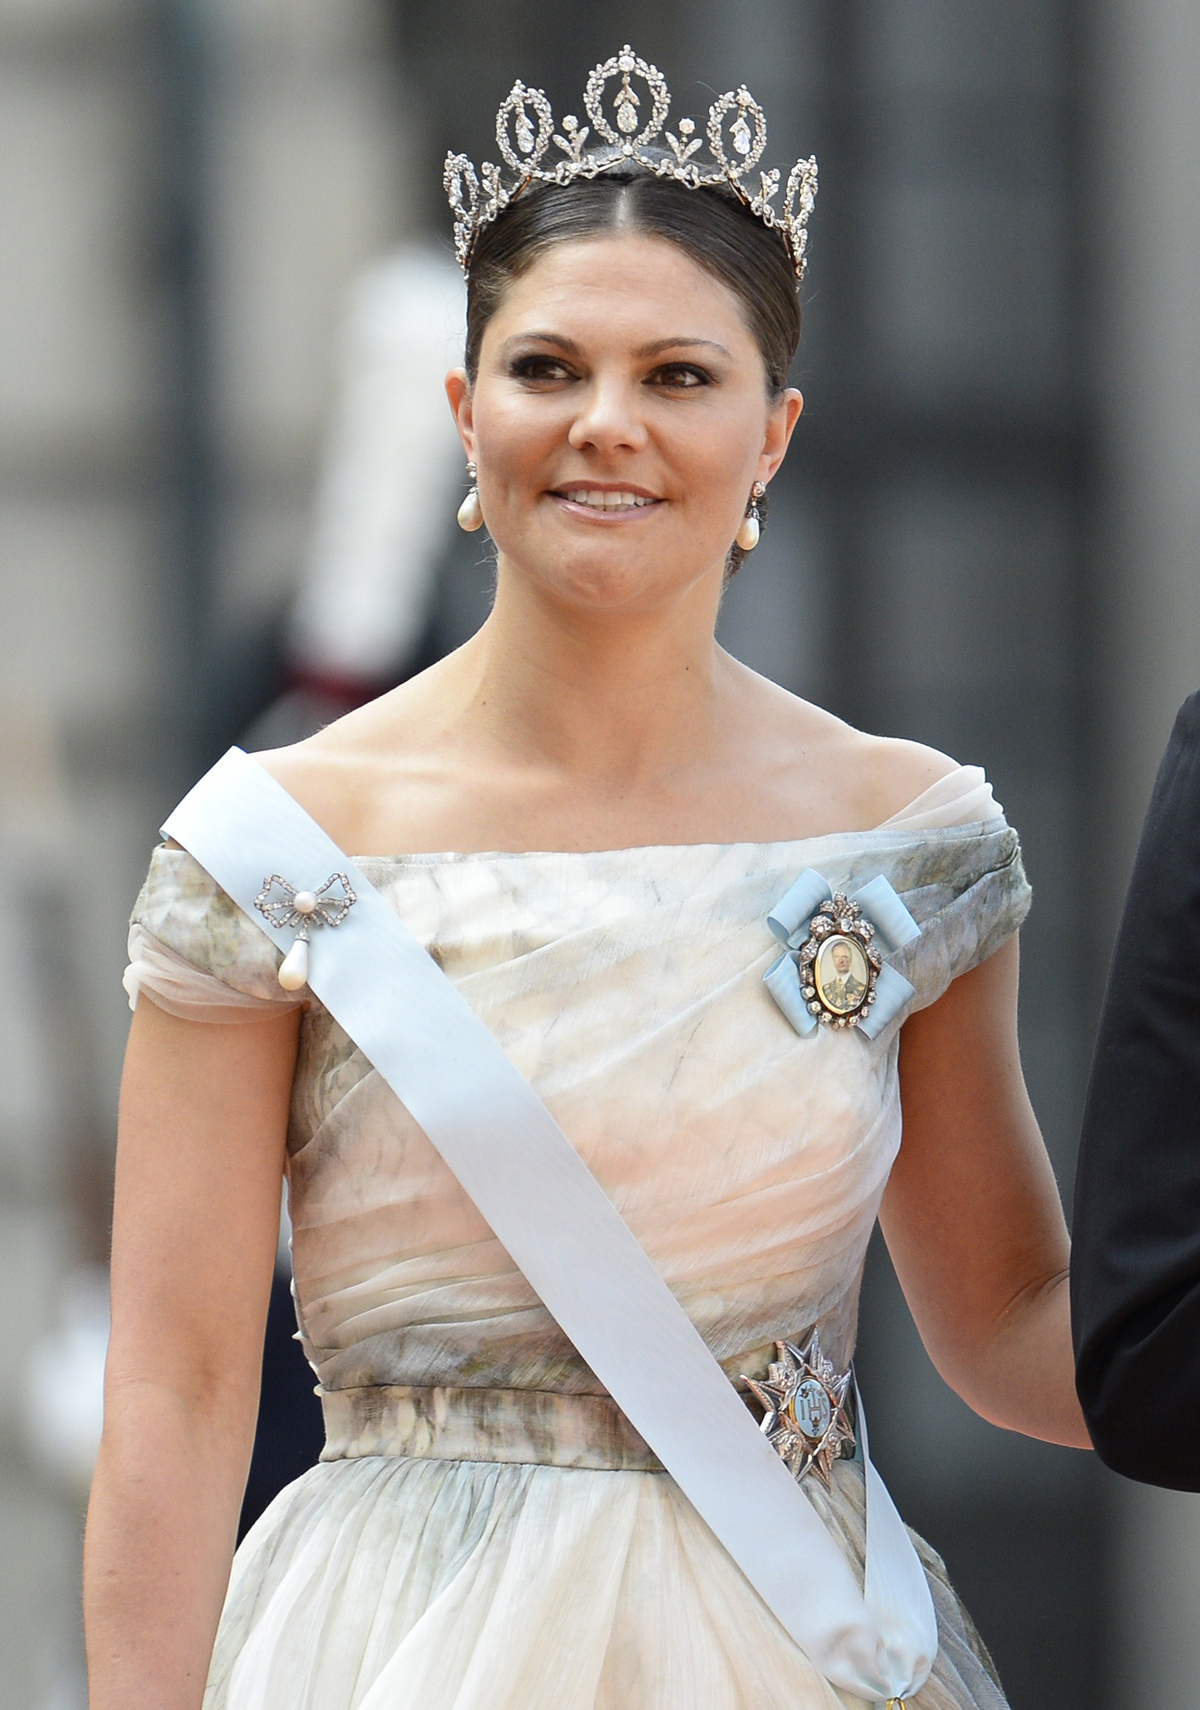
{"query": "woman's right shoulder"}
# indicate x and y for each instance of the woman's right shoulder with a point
(337, 773)
(318, 775)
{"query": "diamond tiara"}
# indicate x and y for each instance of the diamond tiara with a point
(736, 134)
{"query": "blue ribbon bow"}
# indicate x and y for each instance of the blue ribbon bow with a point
(791, 922)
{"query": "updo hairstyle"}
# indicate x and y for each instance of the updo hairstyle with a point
(711, 226)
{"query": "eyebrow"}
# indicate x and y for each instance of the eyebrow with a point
(658, 345)
(655, 348)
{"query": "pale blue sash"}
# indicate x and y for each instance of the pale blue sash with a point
(576, 1251)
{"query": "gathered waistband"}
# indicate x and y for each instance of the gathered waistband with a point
(459, 1423)
(539, 1427)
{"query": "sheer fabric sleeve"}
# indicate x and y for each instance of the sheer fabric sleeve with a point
(962, 797)
(195, 954)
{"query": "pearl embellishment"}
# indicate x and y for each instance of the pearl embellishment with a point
(293, 971)
(470, 512)
(748, 533)
(305, 902)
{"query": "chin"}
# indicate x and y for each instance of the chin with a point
(601, 593)
(597, 583)
(606, 576)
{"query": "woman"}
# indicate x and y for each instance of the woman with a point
(488, 1532)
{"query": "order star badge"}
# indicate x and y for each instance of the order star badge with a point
(804, 1401)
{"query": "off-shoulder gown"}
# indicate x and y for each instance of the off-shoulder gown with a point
(486, 1531)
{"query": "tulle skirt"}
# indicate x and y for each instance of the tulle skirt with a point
(389, 1583)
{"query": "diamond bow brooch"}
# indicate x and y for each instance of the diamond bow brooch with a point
(284, 906)
(804, 1409)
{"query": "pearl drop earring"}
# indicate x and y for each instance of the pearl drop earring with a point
(750, 529)
(470, 512)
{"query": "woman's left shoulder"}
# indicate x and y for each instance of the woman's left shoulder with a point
(872, 778)
(834, 775)
(894, 772)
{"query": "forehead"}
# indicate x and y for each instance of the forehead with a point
(629, 287)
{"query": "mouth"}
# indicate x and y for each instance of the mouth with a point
(605, 503)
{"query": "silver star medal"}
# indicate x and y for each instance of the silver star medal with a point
(804, 1409)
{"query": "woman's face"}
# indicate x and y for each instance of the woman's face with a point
(619, 418)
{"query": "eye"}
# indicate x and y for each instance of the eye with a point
(681, 377)
(538, 367)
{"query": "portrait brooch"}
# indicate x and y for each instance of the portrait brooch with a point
(834, 970)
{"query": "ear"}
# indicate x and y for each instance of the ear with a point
(458, 390)
(785, 413)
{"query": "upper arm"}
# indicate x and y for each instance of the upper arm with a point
(200, 1159)
(971, 1213)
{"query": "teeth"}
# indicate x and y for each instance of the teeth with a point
(602, 501)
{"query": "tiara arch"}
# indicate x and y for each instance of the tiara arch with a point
(623, 124)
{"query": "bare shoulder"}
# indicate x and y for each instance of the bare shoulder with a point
(895, 771)
(337, 774)
(863, 778)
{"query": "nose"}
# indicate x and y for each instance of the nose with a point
(609, 419)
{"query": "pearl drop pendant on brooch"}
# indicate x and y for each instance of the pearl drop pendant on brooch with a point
(293, 970)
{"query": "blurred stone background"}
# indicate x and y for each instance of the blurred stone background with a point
(986, 538)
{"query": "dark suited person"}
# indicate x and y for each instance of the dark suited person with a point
(1136, 1256)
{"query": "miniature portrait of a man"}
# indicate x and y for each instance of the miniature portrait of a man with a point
(841, 975)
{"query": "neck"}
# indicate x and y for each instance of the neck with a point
(620, 696)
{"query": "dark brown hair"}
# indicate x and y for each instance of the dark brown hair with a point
(711, 226)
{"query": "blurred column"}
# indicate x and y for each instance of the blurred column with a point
(81, 659)
(1146, 233)
(1146, 230)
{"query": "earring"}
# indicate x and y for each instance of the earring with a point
(470, 512)
(750, 528)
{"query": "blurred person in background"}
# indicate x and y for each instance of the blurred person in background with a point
(1136, 1271)
(490, 1528)
(360, 620)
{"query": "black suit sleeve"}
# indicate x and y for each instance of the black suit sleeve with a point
(1135, 1284)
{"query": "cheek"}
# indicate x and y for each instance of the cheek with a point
(514, 440)
(721, 459)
